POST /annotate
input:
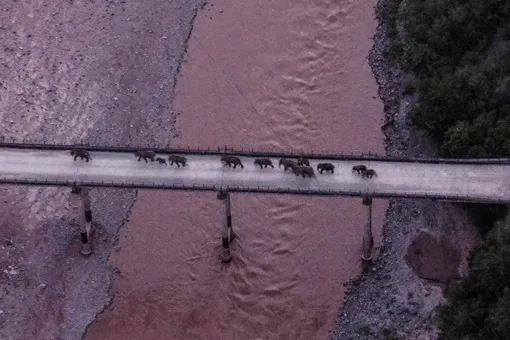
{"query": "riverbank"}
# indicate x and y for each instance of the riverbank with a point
(77, 72)
(397, 299)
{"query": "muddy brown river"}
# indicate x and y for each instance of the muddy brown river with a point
(281, 75)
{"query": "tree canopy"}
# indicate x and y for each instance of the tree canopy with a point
(479, 307)
(459, 53)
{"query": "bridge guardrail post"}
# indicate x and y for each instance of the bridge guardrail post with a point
(368, 240)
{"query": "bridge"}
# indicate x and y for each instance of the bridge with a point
(470, 180)
(467, 180)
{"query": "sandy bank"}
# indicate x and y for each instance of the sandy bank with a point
(77, 71)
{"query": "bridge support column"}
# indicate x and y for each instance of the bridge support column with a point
(368, 240)
(227, 233)
(85, 218)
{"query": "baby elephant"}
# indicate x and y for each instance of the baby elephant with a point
(359, 168)
(83, 154)
(303, 161)
(326, 166)
(161, 160)
(231, 160)
(303, 171)
(177, 160)
(263, 161)
(145, 154)
(368, 173)
(287, 163)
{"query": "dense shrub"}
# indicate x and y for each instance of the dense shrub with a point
(459, 52)
(479, 307)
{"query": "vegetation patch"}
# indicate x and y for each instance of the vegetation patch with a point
(459, 53)
(479, 307)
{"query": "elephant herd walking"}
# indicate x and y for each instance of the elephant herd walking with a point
(300, 166)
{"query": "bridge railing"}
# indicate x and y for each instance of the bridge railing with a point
(262, 190)
(258, 153)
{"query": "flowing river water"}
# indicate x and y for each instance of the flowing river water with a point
(283, 75)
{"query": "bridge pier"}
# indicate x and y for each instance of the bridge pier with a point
(368, 240)
(85, 218)
(227, 233)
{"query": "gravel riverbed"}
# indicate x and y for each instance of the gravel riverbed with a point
(98, 72)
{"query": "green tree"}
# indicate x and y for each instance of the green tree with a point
(459, 52)
(479, 306)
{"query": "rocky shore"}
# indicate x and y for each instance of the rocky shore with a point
(78, 72)
(397, 299)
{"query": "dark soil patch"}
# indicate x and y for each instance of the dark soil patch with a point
(433, 258)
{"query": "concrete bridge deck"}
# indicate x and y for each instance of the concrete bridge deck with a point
(473, 182)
